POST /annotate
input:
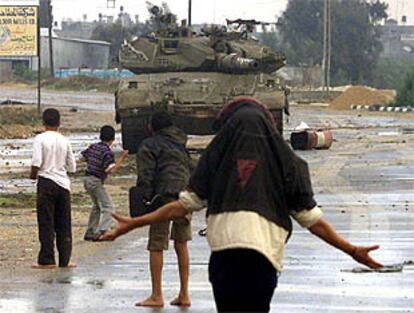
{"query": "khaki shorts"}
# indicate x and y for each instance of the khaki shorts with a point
(158, 233)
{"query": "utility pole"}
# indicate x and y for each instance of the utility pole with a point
(189, 12)
(39, 66)
(327, 46)
(50, 25)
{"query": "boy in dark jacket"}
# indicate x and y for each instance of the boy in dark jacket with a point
(163, 168)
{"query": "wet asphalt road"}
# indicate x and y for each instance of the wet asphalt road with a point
(70, 99)
(364, 184)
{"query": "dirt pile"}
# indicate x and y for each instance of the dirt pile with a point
(18, 122)
(23, 121)
(362, 95)
(18, 131)
(20, 115)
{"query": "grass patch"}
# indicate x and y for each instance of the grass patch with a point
(18, 201)
(19, 116)
(81, 83)
(24, 200)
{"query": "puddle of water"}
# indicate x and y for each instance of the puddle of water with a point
(16, 185)
(97, 283)
(16, 305)
(408, 131)
(384, 199)
(389, 133)
(15, 157)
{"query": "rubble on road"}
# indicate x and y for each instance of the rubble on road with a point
(305, 138)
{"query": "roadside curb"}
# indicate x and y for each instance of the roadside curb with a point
(382, 108)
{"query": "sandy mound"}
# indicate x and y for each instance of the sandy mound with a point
(361, 95)
(18, 121)
(18, 131)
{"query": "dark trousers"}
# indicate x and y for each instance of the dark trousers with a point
(53, 217)
(243, 280)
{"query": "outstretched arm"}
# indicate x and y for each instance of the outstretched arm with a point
(167, 212)
(119, 162)
(326, 232)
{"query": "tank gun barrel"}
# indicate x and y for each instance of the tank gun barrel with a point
(235, 62)
(250, 23)
(245, 22)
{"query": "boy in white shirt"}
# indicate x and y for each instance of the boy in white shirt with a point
(52, 159)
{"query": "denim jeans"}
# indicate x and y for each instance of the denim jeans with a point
(100, 218)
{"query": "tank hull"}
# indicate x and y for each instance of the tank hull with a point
(192, 99)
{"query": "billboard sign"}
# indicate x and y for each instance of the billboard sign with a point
(18, 28)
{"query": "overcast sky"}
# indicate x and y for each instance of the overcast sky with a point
(203, 10)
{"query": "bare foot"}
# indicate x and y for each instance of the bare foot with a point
(70, 265)
(38, 266)
(181, 301)
(151, 302)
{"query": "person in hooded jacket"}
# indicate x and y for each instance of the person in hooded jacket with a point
(252, 184)
(163, 169)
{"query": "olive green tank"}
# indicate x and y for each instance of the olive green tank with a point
(193, 76)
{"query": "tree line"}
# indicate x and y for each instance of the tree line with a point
(356, 45)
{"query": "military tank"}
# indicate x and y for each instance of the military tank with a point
(192, 76)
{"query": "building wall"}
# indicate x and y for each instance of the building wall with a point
(81, 30)
(70, 53)
(5, 71)
(398, 41)
(311, 77)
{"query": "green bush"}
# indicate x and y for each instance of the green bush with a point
(390, 73)
(405, 94)
(22, 73)
(81, 83)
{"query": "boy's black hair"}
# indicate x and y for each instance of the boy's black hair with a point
(107, 133)
(160, 120)
(51, 117)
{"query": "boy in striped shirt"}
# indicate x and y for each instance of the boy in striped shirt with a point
(100, 163)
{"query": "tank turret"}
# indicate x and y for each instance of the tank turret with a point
(177, 49)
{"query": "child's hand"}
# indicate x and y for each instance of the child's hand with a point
(124, 153)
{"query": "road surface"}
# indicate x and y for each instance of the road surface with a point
(364, 184)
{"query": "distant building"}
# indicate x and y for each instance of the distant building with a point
(81, 30)
(397, 40)
(84, 29)
(76, 53)
(125, 19)
(302, 76)
(5, 70)
(67, 52)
